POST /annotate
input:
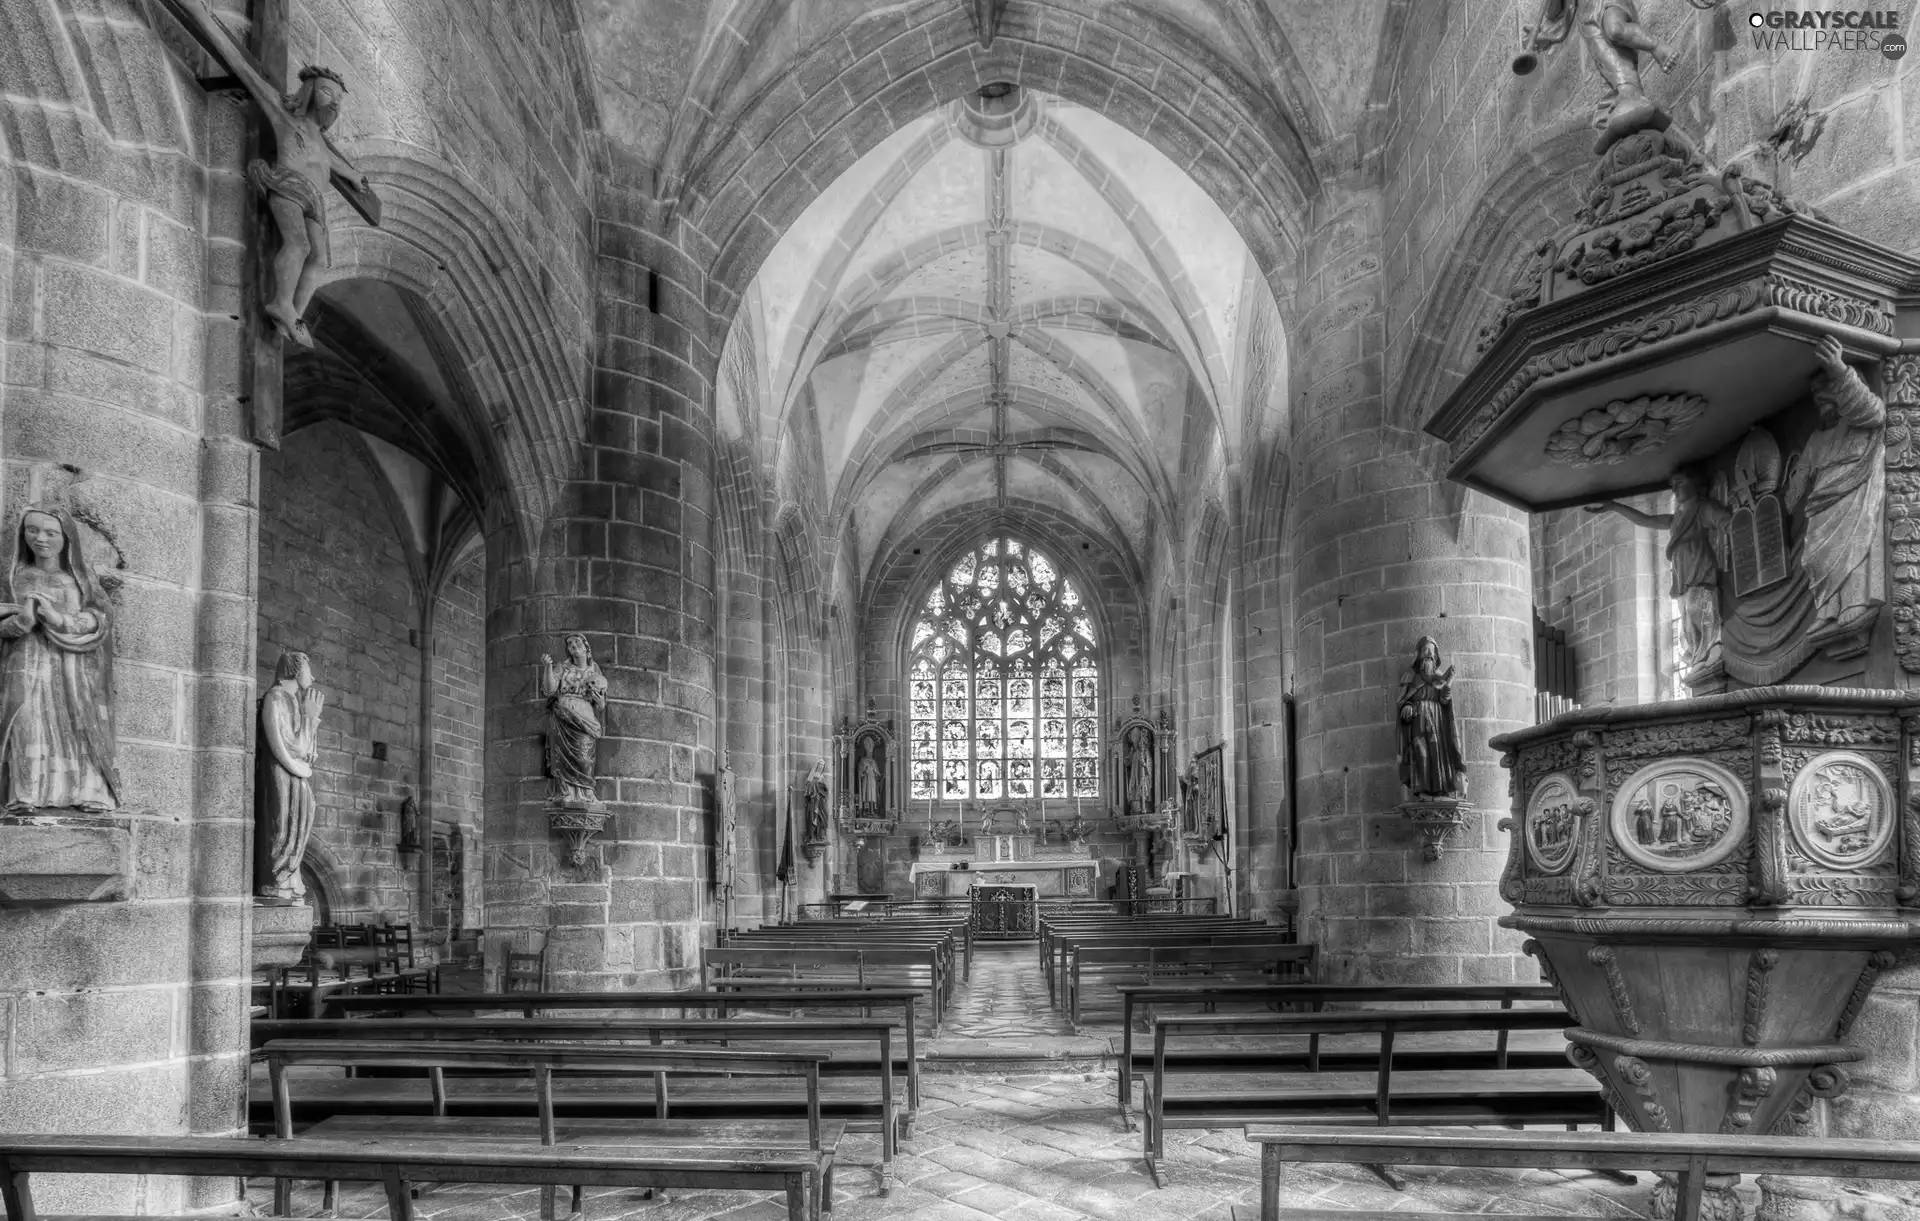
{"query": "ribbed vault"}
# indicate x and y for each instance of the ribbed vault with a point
(1009, 302)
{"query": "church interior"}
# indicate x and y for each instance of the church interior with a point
(1032, 609)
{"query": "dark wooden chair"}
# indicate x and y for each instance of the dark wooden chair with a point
(526, 972)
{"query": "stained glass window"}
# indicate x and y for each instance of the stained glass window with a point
(1003, 682)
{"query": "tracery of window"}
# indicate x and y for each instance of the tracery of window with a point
(1003, 681)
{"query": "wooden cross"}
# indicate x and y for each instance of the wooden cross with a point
(265, 60)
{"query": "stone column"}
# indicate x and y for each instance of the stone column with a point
(626, 558)
(1259, 622)
(1387, 551)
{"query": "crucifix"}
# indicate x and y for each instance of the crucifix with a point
(294, 157)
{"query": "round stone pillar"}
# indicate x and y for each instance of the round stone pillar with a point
(626, 559)
(1387, 551)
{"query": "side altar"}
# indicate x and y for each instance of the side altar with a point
(1055, 871)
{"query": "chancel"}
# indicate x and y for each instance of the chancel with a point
(975, 608)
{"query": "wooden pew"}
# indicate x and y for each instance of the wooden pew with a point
(539, 1062)
(1315, 997)
(1052, 929)
(1054, 926)
(724, 967)
(398, 1164)
(884, 1115)
(1253, 1093)
(721, 1004)
(1688, 1155)
(1112, 951)
(1057, 941)
(1223, 961)
(951, 940)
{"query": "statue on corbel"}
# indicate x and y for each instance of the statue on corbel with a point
(575, 692)
(1432, 765)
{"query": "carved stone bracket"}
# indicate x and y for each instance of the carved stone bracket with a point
(579, 825)
(51, 858)
(1437, 819)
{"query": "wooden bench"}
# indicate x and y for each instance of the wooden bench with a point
(1315, 997)
(1052, 927)
(724, 967)
(885, 1115)
(952, 939)
(1689, 1156)
(398, 1164)
(721, 1004)
(1063, 944)
(535, 1094)
(1250, 1092)
(1222, 960)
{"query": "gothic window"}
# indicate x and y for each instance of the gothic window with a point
(1003, 681)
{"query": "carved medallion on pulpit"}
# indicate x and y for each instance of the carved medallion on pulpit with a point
(1841, 810)
(1552, 825)
(1680, 815)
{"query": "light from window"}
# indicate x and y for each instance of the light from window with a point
(1003, 684)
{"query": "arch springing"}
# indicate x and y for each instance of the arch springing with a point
(1003, 681)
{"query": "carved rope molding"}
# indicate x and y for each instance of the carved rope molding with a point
(1877, 962)
(1533, 950)
(1901, 378)
(1718, 1054)
(1603, 957)
(1760, 965)
(1767, 868)
(1640, 1076)
(1587, 1061)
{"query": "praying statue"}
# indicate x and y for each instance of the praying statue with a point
(814, 794)
(304, 158)
(1696, 552)
(576, 694)
(56, 654)
(283, 804)
(1431, 762)
(1615, 39)
(1139, 771)
(1839, 480)
(869, 777)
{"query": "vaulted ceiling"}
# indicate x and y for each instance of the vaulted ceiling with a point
(1012, 300)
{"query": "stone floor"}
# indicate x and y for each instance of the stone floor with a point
(1026, 1144)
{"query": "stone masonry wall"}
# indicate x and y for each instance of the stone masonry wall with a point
(459, 714)
(129, 1015)
(1386, 552)
(1603, 581)
(334, 584)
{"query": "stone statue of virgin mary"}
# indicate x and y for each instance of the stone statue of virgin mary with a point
(56, 673)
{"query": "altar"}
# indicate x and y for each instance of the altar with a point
(1054, 872)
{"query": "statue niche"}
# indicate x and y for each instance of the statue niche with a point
(1139, 780)
(868, 801)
